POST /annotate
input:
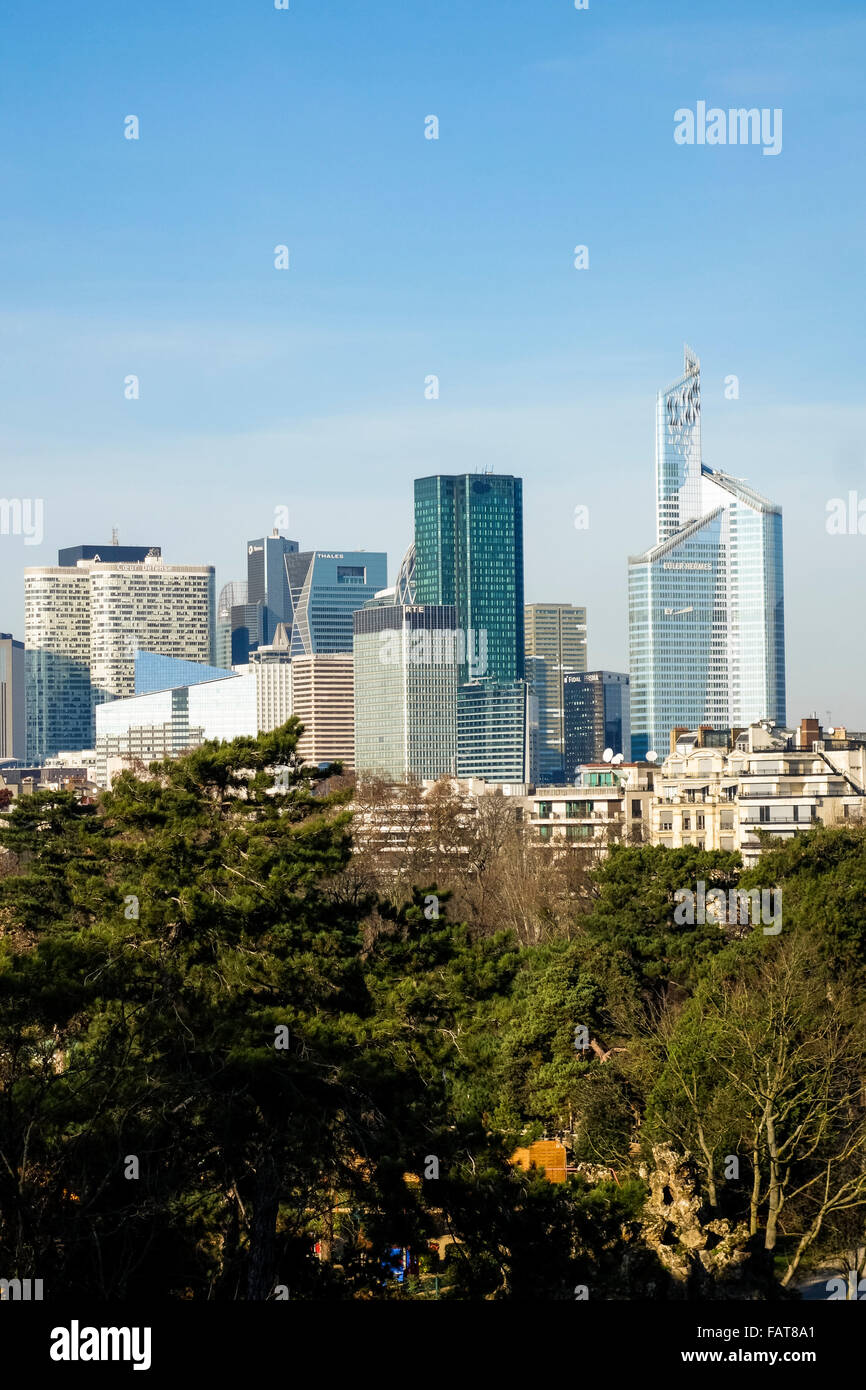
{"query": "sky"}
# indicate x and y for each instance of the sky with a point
(305, 388)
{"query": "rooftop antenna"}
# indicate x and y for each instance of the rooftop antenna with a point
(114, 540)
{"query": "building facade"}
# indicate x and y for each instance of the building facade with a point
(469, 555)
(595, 717)
(706, 602)
(83, 626)
(555, 637)
(326, 588)
(12, 722)
(167, 722)
(405, 663)
(323, 699)
(268, 584)
(497, 731)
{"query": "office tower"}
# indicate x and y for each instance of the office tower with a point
(231, 651)
(706, 604)
(111, 553)
(12, 726)
(83, 626)
(323, 700)
(268, 582)
(595, 717)
(405, 663)
(497, 731)
(326, 587)
(469, 553)
(555, 644)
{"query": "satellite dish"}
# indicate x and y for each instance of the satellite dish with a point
(831, 732)
(620, 757)
(607, 754)
(652, 756)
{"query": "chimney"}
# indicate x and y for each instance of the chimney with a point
(810, 732)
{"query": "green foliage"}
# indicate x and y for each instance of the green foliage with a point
(634, 912)
(190, 977)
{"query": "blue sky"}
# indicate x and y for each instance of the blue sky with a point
(304, 388)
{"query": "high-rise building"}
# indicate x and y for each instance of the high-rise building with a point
(405, 663)
(231, 649)
(83, 626)
(268, 582)
(596, 717)
(12, 726)
(706, 603)
(326, 587)
(497, 731)
(555, 645)
(469, 554)
(323, 700)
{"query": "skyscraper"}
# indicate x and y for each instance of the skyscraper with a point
(497, 731)
(595, 717)
(555, 644)
(326, 587)
(268, 581)
(83, 625)
(469, 554)
(405, 691)
(12, 742)
(232, 626)
(706, 603)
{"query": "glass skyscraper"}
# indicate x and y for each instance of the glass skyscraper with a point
(326, 587)
(595, 717)
(469, 553)
(706, 603)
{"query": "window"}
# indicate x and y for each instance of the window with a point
(701, 820)
(636, 811)
(687, 822)
(544, 808)
(667, 823)
(764, 813)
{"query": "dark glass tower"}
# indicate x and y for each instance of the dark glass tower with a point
(596, 716)
(469, 553)
(268, 582)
